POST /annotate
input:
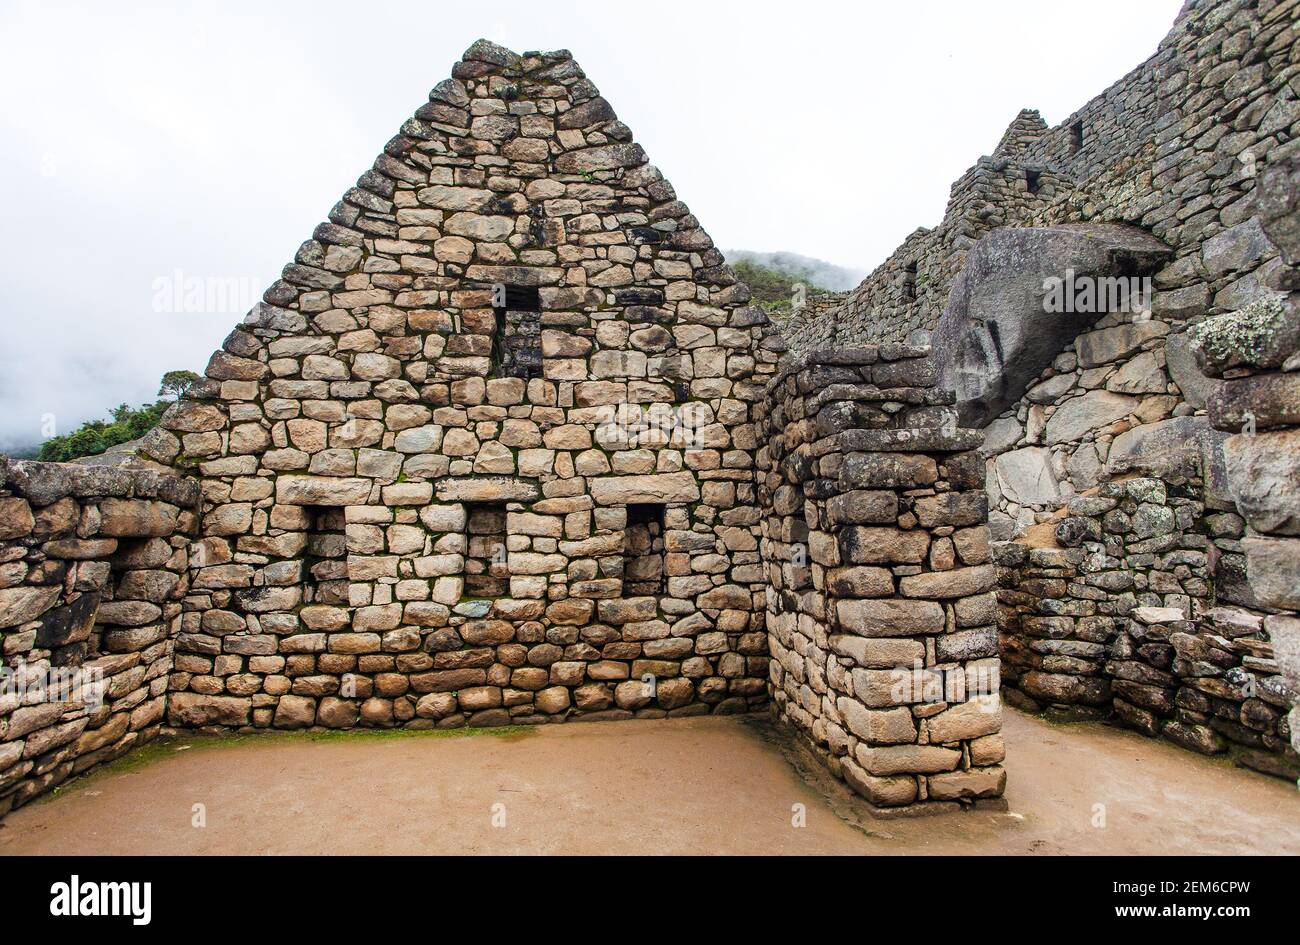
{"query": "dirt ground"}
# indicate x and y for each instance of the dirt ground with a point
(707, 785)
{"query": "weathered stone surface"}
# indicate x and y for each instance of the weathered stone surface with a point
(1235, 248)
(295, 712)
(1264, 477)
(879, 727)
(1081, 415)
(973, 783)
(1181, 362)
(1171, 449)
(1053, 687)
(321, 490)
(193, 709)
(21, 604)
(1273, 566)
(16, 520)
(1265, 401)
(883, 792)
(69, 624)
(972, 719)
(860, 582)
(1112, 344)
(486, 489)
(958, 582)
(1025, 476)
(1262, 333)
(997, 334)
(665, 487)
(887, 470)
(890, 618)
(868, 545)
(906, 759)
(136, 518)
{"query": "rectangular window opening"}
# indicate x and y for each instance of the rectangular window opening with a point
(1032, 180)
(909, 282)
(486, 561)
(517, 347)
(1076, 137)
(644, 574)
(326, 556)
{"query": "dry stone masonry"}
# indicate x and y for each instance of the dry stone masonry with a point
(1115, 457)
(507, 444)
(485, 453)
(880, 606)
(94, 564)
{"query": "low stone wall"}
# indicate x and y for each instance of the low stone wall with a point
(93, 567)
(880, 604)
(1116, 619)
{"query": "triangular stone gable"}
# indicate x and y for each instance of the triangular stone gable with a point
(424, 457)
(516, 171)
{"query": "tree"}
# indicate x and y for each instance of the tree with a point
(125, 423)
(174, 384)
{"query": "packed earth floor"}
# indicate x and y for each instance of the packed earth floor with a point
(699, 785)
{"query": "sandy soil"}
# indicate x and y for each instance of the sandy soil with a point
(709, 785)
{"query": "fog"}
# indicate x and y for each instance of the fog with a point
(164, 161)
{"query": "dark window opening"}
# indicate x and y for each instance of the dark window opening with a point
(486, 563)
(325, 559)
(909, 282)
(644, 573)
(517, 348)
(1032, 179)
(1076, 137)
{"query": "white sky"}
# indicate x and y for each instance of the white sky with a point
(138, 138)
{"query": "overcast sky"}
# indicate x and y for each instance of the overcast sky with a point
(141, 139)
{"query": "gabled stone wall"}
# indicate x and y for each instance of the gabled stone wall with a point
(880, 604)
(511, 319)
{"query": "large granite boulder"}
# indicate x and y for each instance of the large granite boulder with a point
(999, 330)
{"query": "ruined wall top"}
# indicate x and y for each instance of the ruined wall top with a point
(1154, 150)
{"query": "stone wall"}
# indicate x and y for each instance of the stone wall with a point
(1109, 613)
(1257, 353)
(1172, 147)
(880, 605)
(485, 453)
(93, 567)
(1176, 148)
(506, 443)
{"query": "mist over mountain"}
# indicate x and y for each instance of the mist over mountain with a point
(817, 272)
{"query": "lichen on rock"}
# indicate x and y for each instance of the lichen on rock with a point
(1250, 335)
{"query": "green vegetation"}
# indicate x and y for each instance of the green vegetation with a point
(773, 290)
(126, 423)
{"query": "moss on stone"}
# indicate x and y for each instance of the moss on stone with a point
(1246, 334)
